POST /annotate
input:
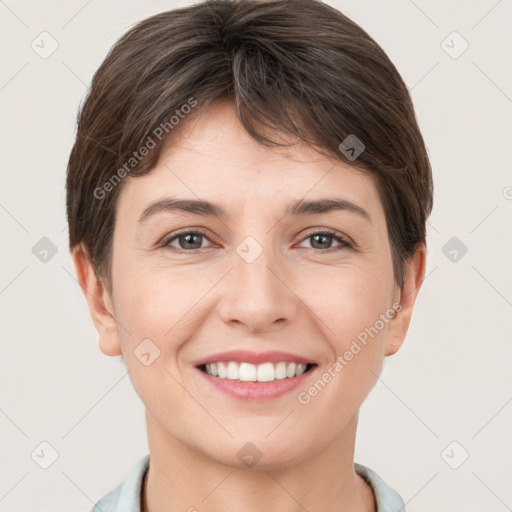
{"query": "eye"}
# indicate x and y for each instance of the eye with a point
(191, 241)
(188, 241)
(323, 240)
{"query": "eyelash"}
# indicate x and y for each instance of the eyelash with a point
(345, 243)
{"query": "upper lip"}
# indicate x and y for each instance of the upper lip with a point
(246, 356)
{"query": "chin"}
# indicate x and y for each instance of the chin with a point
(259, 454)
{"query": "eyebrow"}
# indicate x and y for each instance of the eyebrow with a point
(208, 209)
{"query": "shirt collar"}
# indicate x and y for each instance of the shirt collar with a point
(388, 500)
(127, 496)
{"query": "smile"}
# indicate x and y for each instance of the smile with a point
(248, 372)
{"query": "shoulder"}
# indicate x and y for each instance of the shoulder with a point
(127, 495)
(388, 500)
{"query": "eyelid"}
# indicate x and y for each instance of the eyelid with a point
(343, 239)
(185, 231)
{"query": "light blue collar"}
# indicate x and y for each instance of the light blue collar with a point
(126, 497)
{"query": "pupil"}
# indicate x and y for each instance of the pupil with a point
(188, 238)
(315, 237)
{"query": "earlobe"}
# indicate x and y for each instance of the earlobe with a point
(414, 275)
(99, 303)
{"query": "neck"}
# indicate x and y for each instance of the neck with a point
(182, 479)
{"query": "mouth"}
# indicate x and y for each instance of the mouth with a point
(256, 382)
(248, 372)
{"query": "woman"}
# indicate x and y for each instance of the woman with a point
(247, 197)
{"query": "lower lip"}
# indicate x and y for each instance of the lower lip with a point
(257, 390)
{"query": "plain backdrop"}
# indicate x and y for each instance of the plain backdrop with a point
(437, 424)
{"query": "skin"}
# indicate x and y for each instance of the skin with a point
(308, 298)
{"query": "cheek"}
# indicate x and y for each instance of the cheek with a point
(354, 311)
(156, 303)
(162, 309)
(349, 300)
(155, 309)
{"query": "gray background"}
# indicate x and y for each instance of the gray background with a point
(449, 382)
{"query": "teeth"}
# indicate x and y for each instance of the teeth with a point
(266, 372)
(247, 372)
(301, 368)
(222, 370)
(280, 370)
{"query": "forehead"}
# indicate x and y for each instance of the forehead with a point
(212, 157)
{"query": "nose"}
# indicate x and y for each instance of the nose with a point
(257, 297)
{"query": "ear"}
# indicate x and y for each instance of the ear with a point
(99, 302)
(414, 275)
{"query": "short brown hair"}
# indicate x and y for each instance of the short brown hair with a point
(299, 67)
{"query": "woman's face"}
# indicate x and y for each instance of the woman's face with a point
(257, 279)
